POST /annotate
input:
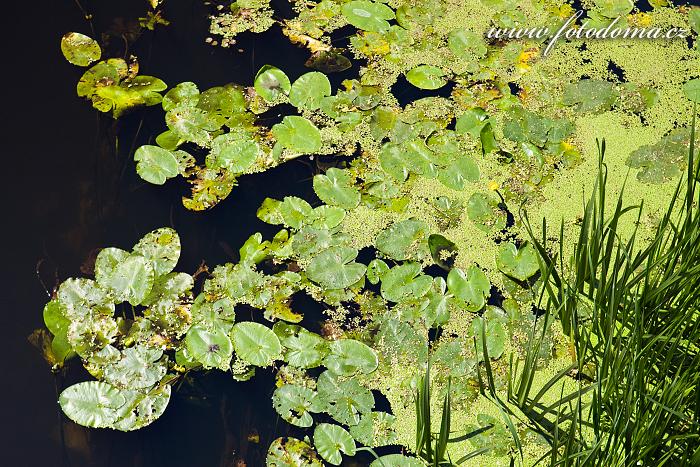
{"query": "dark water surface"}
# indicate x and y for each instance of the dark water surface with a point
(71, 187)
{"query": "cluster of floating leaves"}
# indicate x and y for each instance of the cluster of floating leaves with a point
(485, 138)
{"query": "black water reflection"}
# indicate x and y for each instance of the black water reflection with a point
(71, 188)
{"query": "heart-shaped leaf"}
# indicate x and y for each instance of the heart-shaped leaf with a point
(271, 83)
(297, 134)
(256, 344)
(80, 49)
(331, 440)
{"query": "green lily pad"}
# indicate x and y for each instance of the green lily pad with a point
(309, 89)
(142, 409)
(591, 95)
(519, 263)
(297, 134)
(466, 44)
(291, 452)
(256, 344)
(348, 356)
(155, 164)
(483, 209)
(404, 240)
(691, 89)
(211, 348)
(344, 399)
(185, 93)
(235, 152)
(80, 49)
(495, 336)
(128, 276)
(663, 161)
(302, 349)
(375, 429)
(331, 440)
(335, 188)
(139, 367)
(396, 460)
(426, 77)
(471, 287)
(459, 173)
(295, 403)
(368, 16)
(334, 268)
(162, 248)
(271, 83)
(405, 282)
(92, 404)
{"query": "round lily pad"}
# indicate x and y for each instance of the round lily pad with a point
(271, 83)
(330, 440)
(368, 16)
(155, 164)
(80, 49)
(334, 268)
(308, 90)
(297, 134)
(335, 187)
(426, 77)
(92, 403)
(161, 247)
(519, 263)
(212, 348)
(348, 356)
(256, 344)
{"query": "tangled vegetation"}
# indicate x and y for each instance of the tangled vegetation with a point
(415, 248)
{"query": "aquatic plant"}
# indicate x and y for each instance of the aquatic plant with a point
(432, 181)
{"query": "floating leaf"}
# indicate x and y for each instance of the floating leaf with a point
(80, 49)
(92, 403)
(466, 44)
(335, 187)
(369, 16)
(405, 282)
(519, 263)
(458, 173)
(692, 88)
(271, 83)
(155, 164)
(295, 403)
(495, 335)
(235, 152)
(128, 276)
(142, 409)
(442, 250)
(331, 440)
(404, 240)
(484, 210)
(426, 77)
(162, 248)
(348, 356)
(591, 95)
(308, 90)
(291, 452)
(213, 349)
(138, 368)
(344, 399)
(256, 344)
(472, 287)
(663, 161)
(334, 268)
(297, 134)
(185, 93)
(396, 460)
(375, 429)
(328, 61)
(303, 349)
